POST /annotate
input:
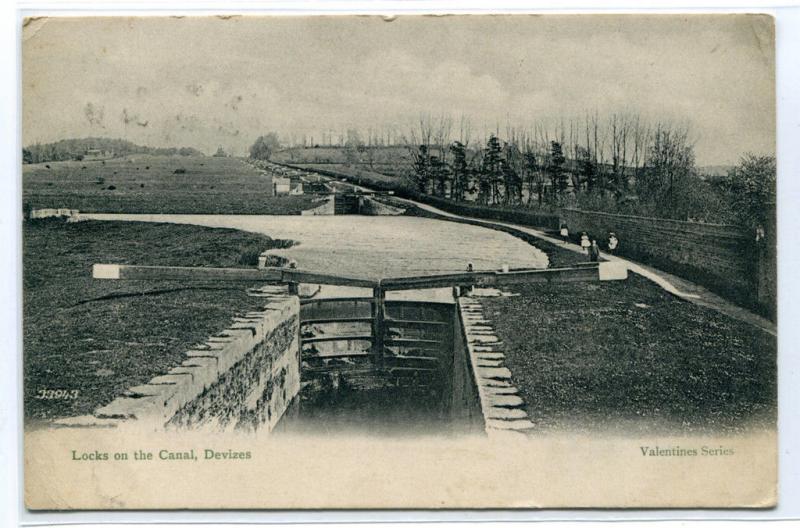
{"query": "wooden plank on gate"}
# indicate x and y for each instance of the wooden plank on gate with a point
(378, 328)
(320, 339)
(309, 277)
(330, 320)
(324, 300)
(129, 272)
(494, 278)
(403, 323)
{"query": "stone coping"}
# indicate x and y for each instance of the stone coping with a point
(502, 407)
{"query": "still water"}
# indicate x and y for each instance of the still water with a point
(373, 246)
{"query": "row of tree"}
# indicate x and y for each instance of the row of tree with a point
(76, 149)
(620, 164)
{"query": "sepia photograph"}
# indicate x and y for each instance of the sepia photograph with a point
(466, 261)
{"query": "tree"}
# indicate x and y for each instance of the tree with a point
(422, 166)
(588, 169)
(264, 146)
(751, 185)
(353, 146)
(459, 171)
(558, 177)
(533, 176)
(620, 131)
(492, 171)
(668, 173)
(440, 175)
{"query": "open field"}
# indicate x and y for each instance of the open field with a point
(393, 155)
(156, 184)
(101, 337)
(383, 167)
(628, 356)
(357, 174)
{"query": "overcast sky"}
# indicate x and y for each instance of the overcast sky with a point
(209, 82)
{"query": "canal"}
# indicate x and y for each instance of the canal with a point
(423, 384)
(373, 246)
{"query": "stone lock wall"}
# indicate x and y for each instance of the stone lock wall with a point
(254, 393)
(243, 378)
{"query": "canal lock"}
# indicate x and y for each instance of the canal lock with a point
(420, 381)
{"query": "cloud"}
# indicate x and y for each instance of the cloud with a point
(205, 82)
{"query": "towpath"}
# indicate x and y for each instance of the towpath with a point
(677, 286)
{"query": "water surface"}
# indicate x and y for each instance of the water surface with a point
(373, 246)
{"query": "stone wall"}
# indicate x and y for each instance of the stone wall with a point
(326, 208)
(374, 207)
(71, 215)
(723, 258)
(243, 378)
(254, 393)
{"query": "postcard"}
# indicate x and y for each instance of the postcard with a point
(399, 262)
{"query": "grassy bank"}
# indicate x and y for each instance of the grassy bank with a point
(101, 337)
(157, 184)
(606, 355)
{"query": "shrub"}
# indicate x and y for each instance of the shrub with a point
(249, 256)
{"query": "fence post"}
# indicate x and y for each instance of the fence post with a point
(293, 286)
(378, 324)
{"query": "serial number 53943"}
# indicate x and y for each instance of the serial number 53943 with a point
(57, 394)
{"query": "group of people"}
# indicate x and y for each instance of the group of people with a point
(589, 245)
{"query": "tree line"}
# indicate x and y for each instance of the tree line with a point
(76, 149)
(620, 164)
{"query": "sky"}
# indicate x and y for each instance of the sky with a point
(211, 82)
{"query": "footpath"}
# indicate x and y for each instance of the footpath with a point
(677, 286)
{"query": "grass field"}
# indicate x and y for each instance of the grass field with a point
(628, 356)
(101, 337)
(394, 155)
(357, 174)
(156, 184)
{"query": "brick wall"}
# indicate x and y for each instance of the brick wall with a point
(768, 266)
(721, 257)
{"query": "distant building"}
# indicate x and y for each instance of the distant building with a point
(281, 185)
(98, 154)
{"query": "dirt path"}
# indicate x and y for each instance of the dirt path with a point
(677, 286)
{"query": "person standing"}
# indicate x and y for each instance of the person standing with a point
(594, 252)
(585, 244)
(613, 242)
(564, 232)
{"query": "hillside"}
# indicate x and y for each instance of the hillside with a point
(98, 147)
